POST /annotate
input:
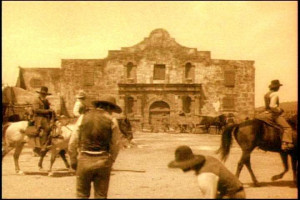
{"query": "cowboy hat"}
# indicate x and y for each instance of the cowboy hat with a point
(81, 94)
(110, 100)
(44, 90)
(275, 83)
(185, 159)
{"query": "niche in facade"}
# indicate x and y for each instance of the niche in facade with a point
(186, 104)
(129, 101)
(189, 71)
(131, 70)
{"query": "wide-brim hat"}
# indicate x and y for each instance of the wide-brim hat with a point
(185, 159)
(274, 84)
(44, 90)
(110, 100)
(80, 95)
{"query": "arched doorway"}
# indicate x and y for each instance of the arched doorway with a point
(159, 115)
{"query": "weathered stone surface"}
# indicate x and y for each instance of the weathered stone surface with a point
(110, 77)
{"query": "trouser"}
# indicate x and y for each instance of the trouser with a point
(43, 132)
(96, 169)
(287, 130)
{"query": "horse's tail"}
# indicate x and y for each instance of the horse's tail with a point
(226, 142)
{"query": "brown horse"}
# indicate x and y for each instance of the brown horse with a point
(219, 122)
(256, 133)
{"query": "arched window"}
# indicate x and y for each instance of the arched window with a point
(186, 104)
(189, 71)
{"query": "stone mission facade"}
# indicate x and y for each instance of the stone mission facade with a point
(154, 79)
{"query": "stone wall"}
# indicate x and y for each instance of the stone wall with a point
(102, 76)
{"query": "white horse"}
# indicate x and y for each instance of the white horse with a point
(14, 137)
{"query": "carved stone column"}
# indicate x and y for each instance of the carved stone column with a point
(197, 105)
(138, 106)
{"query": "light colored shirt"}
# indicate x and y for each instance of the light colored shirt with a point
(274, 101)
(78, 105)
(208, 184)
(115, 141)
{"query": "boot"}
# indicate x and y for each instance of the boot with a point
(286, 146)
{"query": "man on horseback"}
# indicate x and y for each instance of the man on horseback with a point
(43, 119)
(273, 109)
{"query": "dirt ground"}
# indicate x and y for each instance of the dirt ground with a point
(152, 154)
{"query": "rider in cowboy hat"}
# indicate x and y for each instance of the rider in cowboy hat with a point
(272, 106)
(214, 179)
(80, 105)
(98, 140)
(42, 117)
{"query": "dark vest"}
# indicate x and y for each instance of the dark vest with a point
(95, 131)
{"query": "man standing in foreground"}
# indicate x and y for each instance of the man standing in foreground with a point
(214, 179)
(97, 140)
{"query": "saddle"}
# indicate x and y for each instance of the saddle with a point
(267, 118)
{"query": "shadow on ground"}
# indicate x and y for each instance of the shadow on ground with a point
(61, 173)
(290, 184)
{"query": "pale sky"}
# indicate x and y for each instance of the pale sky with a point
(40, 34)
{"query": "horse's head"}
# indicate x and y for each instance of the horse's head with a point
(293, 121)
(125, 128)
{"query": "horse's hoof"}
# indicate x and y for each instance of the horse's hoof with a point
(274, 178)
(20, 172)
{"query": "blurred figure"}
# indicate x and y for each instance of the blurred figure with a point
(80, 104)
(214, 179)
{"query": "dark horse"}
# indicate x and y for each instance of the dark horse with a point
(256, 133)
(219, 122)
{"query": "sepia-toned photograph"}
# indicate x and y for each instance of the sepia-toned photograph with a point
(149, 99)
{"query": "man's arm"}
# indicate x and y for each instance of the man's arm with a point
(208, 184)
(116, 139)
(76, 109)
(36, 107)
(74, 143)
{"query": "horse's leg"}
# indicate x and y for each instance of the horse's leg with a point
(284, 158)
(43, 154)
(245, 159)
(5, 150)
(52, 160)
(17, 153)
(248, 165)
(62, 154)
(295, 168)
